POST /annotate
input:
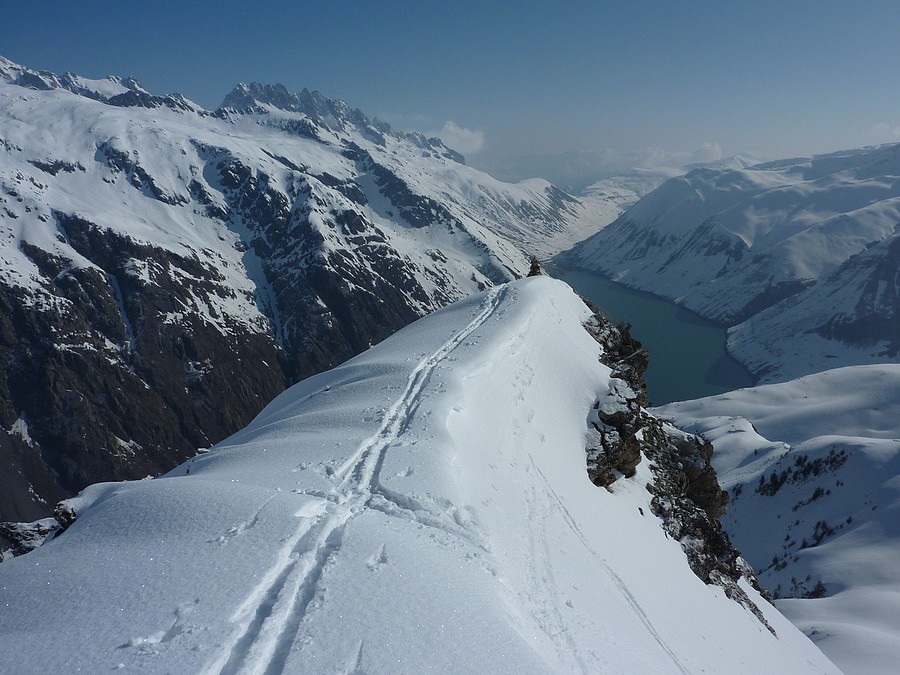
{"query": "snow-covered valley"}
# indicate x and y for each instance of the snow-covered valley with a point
(813, 467)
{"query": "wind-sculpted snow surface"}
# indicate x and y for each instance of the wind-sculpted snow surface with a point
(802, 253)
(813, 468)
(423, 508)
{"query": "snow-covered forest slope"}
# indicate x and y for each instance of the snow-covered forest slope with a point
(166, 270)
(424, 507)
(800, 256)
(813, 468)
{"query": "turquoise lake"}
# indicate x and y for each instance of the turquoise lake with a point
(688, 358)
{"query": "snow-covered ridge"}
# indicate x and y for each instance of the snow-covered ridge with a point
(422, 508)
(801, 249)
(102, 90)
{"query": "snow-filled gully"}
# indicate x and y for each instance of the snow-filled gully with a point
(270, 617)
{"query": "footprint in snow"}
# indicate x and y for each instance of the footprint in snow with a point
(148, 643)
(376, 561)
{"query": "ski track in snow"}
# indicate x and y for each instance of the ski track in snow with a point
(269, 619)
(547, 614)
(629, 597)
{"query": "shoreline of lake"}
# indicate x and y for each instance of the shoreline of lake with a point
(689, 358)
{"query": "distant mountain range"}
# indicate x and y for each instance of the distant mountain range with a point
(167, 270)
(801, 257)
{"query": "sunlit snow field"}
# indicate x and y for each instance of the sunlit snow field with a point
(422, 508)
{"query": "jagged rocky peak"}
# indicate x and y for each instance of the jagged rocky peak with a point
(329, 112)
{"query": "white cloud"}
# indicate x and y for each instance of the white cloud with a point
(659, 157)
(883, 133)
(575, 170)
(708, 152)
(466, 141)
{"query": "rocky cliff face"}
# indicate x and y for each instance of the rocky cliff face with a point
(109, 386)
(686, 491)
(166, 270)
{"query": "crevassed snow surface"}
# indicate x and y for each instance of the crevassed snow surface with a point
(832, 441)
(422, 508)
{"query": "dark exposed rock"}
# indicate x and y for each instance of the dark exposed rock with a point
(335, 304)
(686, 493)
(415, 209)
(349, 189)
(64, 514)
(109, 387)
(624, 354)
(20, 538)
(55, 166)
(136, 175)
(141, 99)
(32, 80)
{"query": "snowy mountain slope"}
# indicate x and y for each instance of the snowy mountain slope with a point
(422, 508)
(849, 317)
(732, 242)
(151, 251)
(530, 215)
(609, 198)
(624, 190)
(813, 466)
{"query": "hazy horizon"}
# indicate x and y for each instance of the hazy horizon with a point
(568, 92)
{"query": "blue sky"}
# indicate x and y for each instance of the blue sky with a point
(520, 87)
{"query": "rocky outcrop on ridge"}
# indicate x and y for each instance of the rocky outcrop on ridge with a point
(686, 493)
